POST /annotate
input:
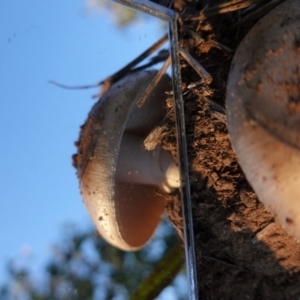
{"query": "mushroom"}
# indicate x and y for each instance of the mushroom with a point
(263, 111)
(123, 185)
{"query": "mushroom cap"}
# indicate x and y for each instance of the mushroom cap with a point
(125, 214)
(263, 111)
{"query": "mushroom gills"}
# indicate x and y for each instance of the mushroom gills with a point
(263, 111)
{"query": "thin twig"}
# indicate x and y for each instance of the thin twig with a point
(109, 81)
(228, 7)
(196, 36)
(78, 87)
(206, 77)
(162, 56)
(258, 13)
(222, 9)
(194, 84)
(154, 83)
(219, 260)
(221, 46)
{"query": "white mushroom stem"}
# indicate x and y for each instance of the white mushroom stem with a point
(140, 166)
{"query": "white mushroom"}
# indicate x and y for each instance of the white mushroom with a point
(263, 111)
(119, 178)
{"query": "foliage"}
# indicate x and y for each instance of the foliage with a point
(161, 275)
(83, 266)
(119, 14)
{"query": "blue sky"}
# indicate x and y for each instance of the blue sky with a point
(41, 41)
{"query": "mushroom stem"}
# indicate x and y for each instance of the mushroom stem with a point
(137, 165)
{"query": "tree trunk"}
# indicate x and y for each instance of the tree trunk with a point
(242, 252)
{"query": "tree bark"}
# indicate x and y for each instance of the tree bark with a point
(242, 251)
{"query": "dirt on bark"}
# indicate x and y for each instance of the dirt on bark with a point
(241, 250)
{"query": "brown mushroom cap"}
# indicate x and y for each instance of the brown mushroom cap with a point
(125, 214)
(263, 111)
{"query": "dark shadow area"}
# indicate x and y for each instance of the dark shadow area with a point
(242, 252)
(236, 262)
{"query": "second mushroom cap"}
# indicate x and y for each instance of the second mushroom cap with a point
(263, 111)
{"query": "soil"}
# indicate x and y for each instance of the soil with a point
(241, 250)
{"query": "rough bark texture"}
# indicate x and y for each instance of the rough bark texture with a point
(242, 252)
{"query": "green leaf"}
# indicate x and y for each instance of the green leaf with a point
(162, 275)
